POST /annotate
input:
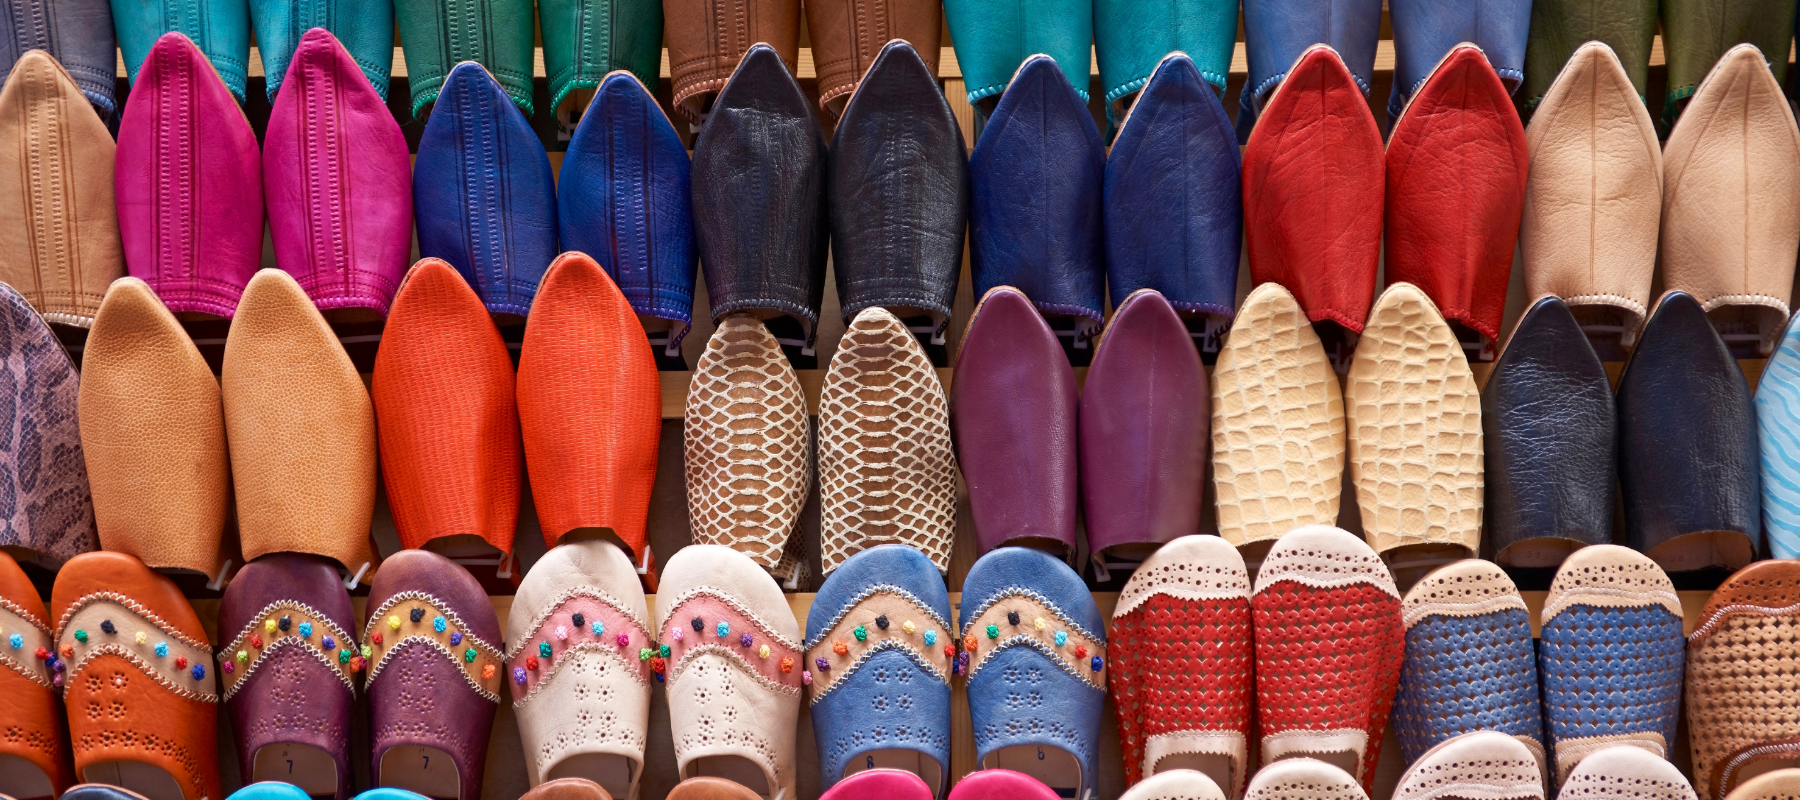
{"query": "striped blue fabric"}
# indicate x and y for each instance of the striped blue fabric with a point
(1612, 671)
(1466, 674)
(1778, 434)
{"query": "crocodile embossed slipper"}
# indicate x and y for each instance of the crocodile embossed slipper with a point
(1303, 779)
(1624, 771)
(1484, 764)
(1612, 655)
(1175, 784)
(1470, 663)
(1181, 664)
(1739, 658)
(33, 761)
(1329, 641)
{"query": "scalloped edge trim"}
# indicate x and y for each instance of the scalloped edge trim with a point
(1486, 606)
(442, 607)
(707, 591)
(1723, 614)
(134, 607)
(1005, 592)
(1026, 640)
(1609, 597)
(286, 641)
(375, 670)
(871, 591)
(885, 644)
(249, 628)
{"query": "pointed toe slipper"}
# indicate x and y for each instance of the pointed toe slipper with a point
(1013, 413)
(590, 408)
(735, 670)
(1277, 33)
(890, 784)
(1313, 177)
(33, 761)
(188, 180)
(1001, 784)
(77, 35)
(1778, 439)
(147, 393)
(1175, 784)
(1181, 664)
(137, 678)
(568, 789)
(220, 33)
(1484, 764)
(445, 36)
(848, 48)
(58, 180)
(364, 29)
(703, 54)
(1036, 668)
(1414, 423)
(887, 467)
(300, 428)
(1690, 470)
(579, 667)
(1035, 219)
(1470, 664)
(1593, 198)
(1560, 27)
(1173, 192)
(1625, 771)
(1768, 786)
(1131, 36)
(1737, 678)
(1303, 779)
(1550, 442)
(434, 672)
(1277, 424)
(1700, 35)
(881, 619)
(991, 39)
(288, 673)
(1329, 639)
(745, 443)
(581, 55)
(340, 214)
(1424, 32)
(1612, 655)
(49, 515)
(484, 196)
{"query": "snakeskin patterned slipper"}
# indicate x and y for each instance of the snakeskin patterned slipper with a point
(1003, 784)
(1738, 662)
(1329, 640)
(1303, 779)
(1781, 783)
(33, 761)
(1277, 425)
(1035, 661)
(1181, 663)
(580, 663)
(1624, 771)
(734, 668)
(273, 790)
(881, 619)
(1484, 764)
(1175, 784)
(887, 784)
(434, 673)
(50, 513)
(1470, 664)
(745, 444)
(288, 673)
(1778, 439)
(137, 677)
(1612, 654)
(1414, 423)
(567, 789)
(887, 472)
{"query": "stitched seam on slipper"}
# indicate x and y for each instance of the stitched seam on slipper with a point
(1025, 640)
(885, 644)
(551, 608)
(1721, 615)
(1005, 592)
(736, 660)
(134, 607)
(851, 604)
(1488, 606)
(110, 649)
(706, 591)
(286, 641)
(583, 649)
(435, 644)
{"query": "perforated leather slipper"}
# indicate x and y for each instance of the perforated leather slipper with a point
(1737, 663)
(1303, 779)
(1482, 764)
(1625, 771)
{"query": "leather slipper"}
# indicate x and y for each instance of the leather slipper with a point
(888, 784)
(1698, 34)
(496, 36)
(77, 35)
(221, 32)
(1000, 784)
(580, 669)
(138, 679)
(58, 178)
(1303, 779)
(1277, 425)
(1558, 28)
(1768, 786)
(1181, 664)
(338, 180)
(1414, 422)
(704, 788)
(1484, 764)
(1279, 32)
(1625, 771)
(484, 197)
(1735, 683)
(580, 54)
(271, 790)
(882, 619)
(1778, 436)
(735, 668)
(188, 177)
(567, 789)
(1013, 409)
(847, 43)
(364, 29)
(993, 38)
(1424, 32)
(887, 469)
(1611, 654)
(288, 673)
(1329, 641)
(1174, 183)
(49, 516)
(1035, 668)
(146, 393)
(1175, 784)
(1470, 664)
(1028, 229)
(1593, 198)
(445, 407)
(703, 54)
(300, 428)
(433, 677)
(33, 761)
(1133, 38)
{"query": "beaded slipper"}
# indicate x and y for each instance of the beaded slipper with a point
(1625, 772)
(50, 514)
(1739, 660)
(887, 784)
(434, 673)
(1034, 660)
(1484, 764)
(1470, 664)
(882, 647)
(1002, 784)
(734, 667)
(1611, 654)
(1303, 779)
(1175, 784)
(887, 471)
(288, 673)
(567, 789)
(1329, 642)
(1181, 663)
(1277, 425)
(33, 761)
(580, 665)
(137, 678)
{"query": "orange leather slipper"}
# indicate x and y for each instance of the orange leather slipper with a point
(33, 763)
